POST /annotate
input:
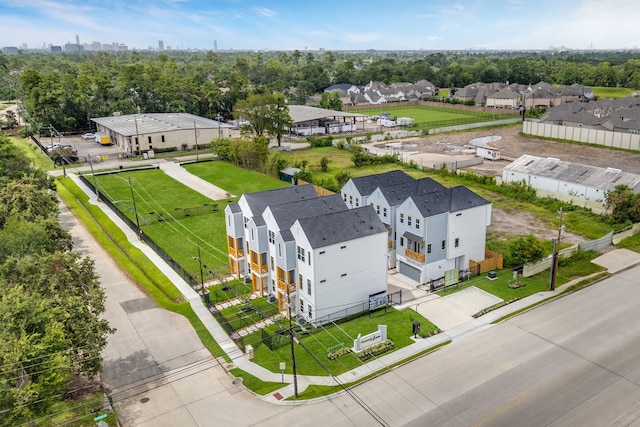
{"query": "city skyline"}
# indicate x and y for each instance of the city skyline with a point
(330, 25)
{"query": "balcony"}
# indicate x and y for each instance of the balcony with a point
(236, 253)
(415, 255)
(260, 269)
(283, 286)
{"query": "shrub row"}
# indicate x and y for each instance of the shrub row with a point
(375, 350)
(333, 355)
(494, 307)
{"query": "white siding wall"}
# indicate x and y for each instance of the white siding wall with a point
(469, 227)
(340, 275)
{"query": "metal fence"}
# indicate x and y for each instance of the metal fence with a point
(356, 310)
(148, 240)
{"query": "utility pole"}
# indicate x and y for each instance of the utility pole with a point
(554, 265)
(138, 138)
(292, 339)
(135, 210)
(95, 183)
(195, 133)
(201, 274)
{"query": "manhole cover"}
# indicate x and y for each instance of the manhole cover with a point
(144, 400)
(237, 381)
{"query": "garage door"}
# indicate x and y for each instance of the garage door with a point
(410, 271)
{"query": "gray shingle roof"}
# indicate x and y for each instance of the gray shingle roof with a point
(286, 214)
(259, 201)
(235, 208)
(396, 194)
(342, 226)
(367, 184)
(448, 200)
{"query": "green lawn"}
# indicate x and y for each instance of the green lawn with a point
(154, 191)
(399, 323)
(568, 270)
(426, 117)
(243, 315)
(611, 92)
(234, 179)
(230, 290)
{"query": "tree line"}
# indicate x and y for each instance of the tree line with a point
(50, 297)
(66, 90)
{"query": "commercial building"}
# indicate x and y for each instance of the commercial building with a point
(137, 133)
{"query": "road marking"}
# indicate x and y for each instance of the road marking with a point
(504, 408)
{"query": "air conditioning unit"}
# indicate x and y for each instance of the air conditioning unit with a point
(247, 279)
(271, 298)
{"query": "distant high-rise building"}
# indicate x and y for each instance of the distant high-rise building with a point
(77, 40)
(160, 45)
(215, 45)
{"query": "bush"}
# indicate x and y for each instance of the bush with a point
(333, 355)
(361, 159)
(375, 350)
(324, 141)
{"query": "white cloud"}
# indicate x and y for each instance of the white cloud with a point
(263, 11)
(454, 9)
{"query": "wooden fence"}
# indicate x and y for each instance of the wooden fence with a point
(492, 261)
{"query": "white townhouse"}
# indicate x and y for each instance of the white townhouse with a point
(386, 199)
(311, 253)
(340, 262)
(247, 233)
(440, 231)
(431, 229)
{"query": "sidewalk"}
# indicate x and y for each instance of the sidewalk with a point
(457, 331)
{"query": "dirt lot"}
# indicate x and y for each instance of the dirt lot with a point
(512, 145)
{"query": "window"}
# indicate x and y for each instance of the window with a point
(300, 282)
(321, 281)
(149, 139)
(401, 218)
(409, 220)
(457, 242)
(344, 196)
(301, 253)
(378, 209)
(273, 285)
(308, 287)
(357, 202)
(309, 258)
(272, 237)
(279, 250)
(321, 252)
(162, 138)
(417, 224)
(343, 247)
(343, 275)
(429, 248)
(384, 212)
(229, 221)
(444, 244)
(252, 237)
(150, 147)
(402, 241)
(351, 200)
(310, 311)
(246, 220)
(301, 305)
(272, 264)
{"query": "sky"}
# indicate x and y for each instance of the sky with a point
(328, 24)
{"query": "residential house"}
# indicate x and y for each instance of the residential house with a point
(505, 98)
(312, 254)
(430, 229)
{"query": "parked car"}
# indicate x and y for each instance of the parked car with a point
(89, 135)
(50, 148)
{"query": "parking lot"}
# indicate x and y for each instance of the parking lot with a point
(86, 147)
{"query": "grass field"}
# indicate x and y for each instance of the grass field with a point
(154, 191)
(398, 323)
(611, 92)
(427, 117)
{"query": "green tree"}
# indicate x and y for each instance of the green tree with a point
(525, 249)
(324, 163)
(331, 100)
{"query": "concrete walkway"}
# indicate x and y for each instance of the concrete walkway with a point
(460, 306)
(180, 174)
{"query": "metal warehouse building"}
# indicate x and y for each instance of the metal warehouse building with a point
(568, 179)
(137, 133)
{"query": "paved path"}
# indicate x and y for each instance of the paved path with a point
(180, 174)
